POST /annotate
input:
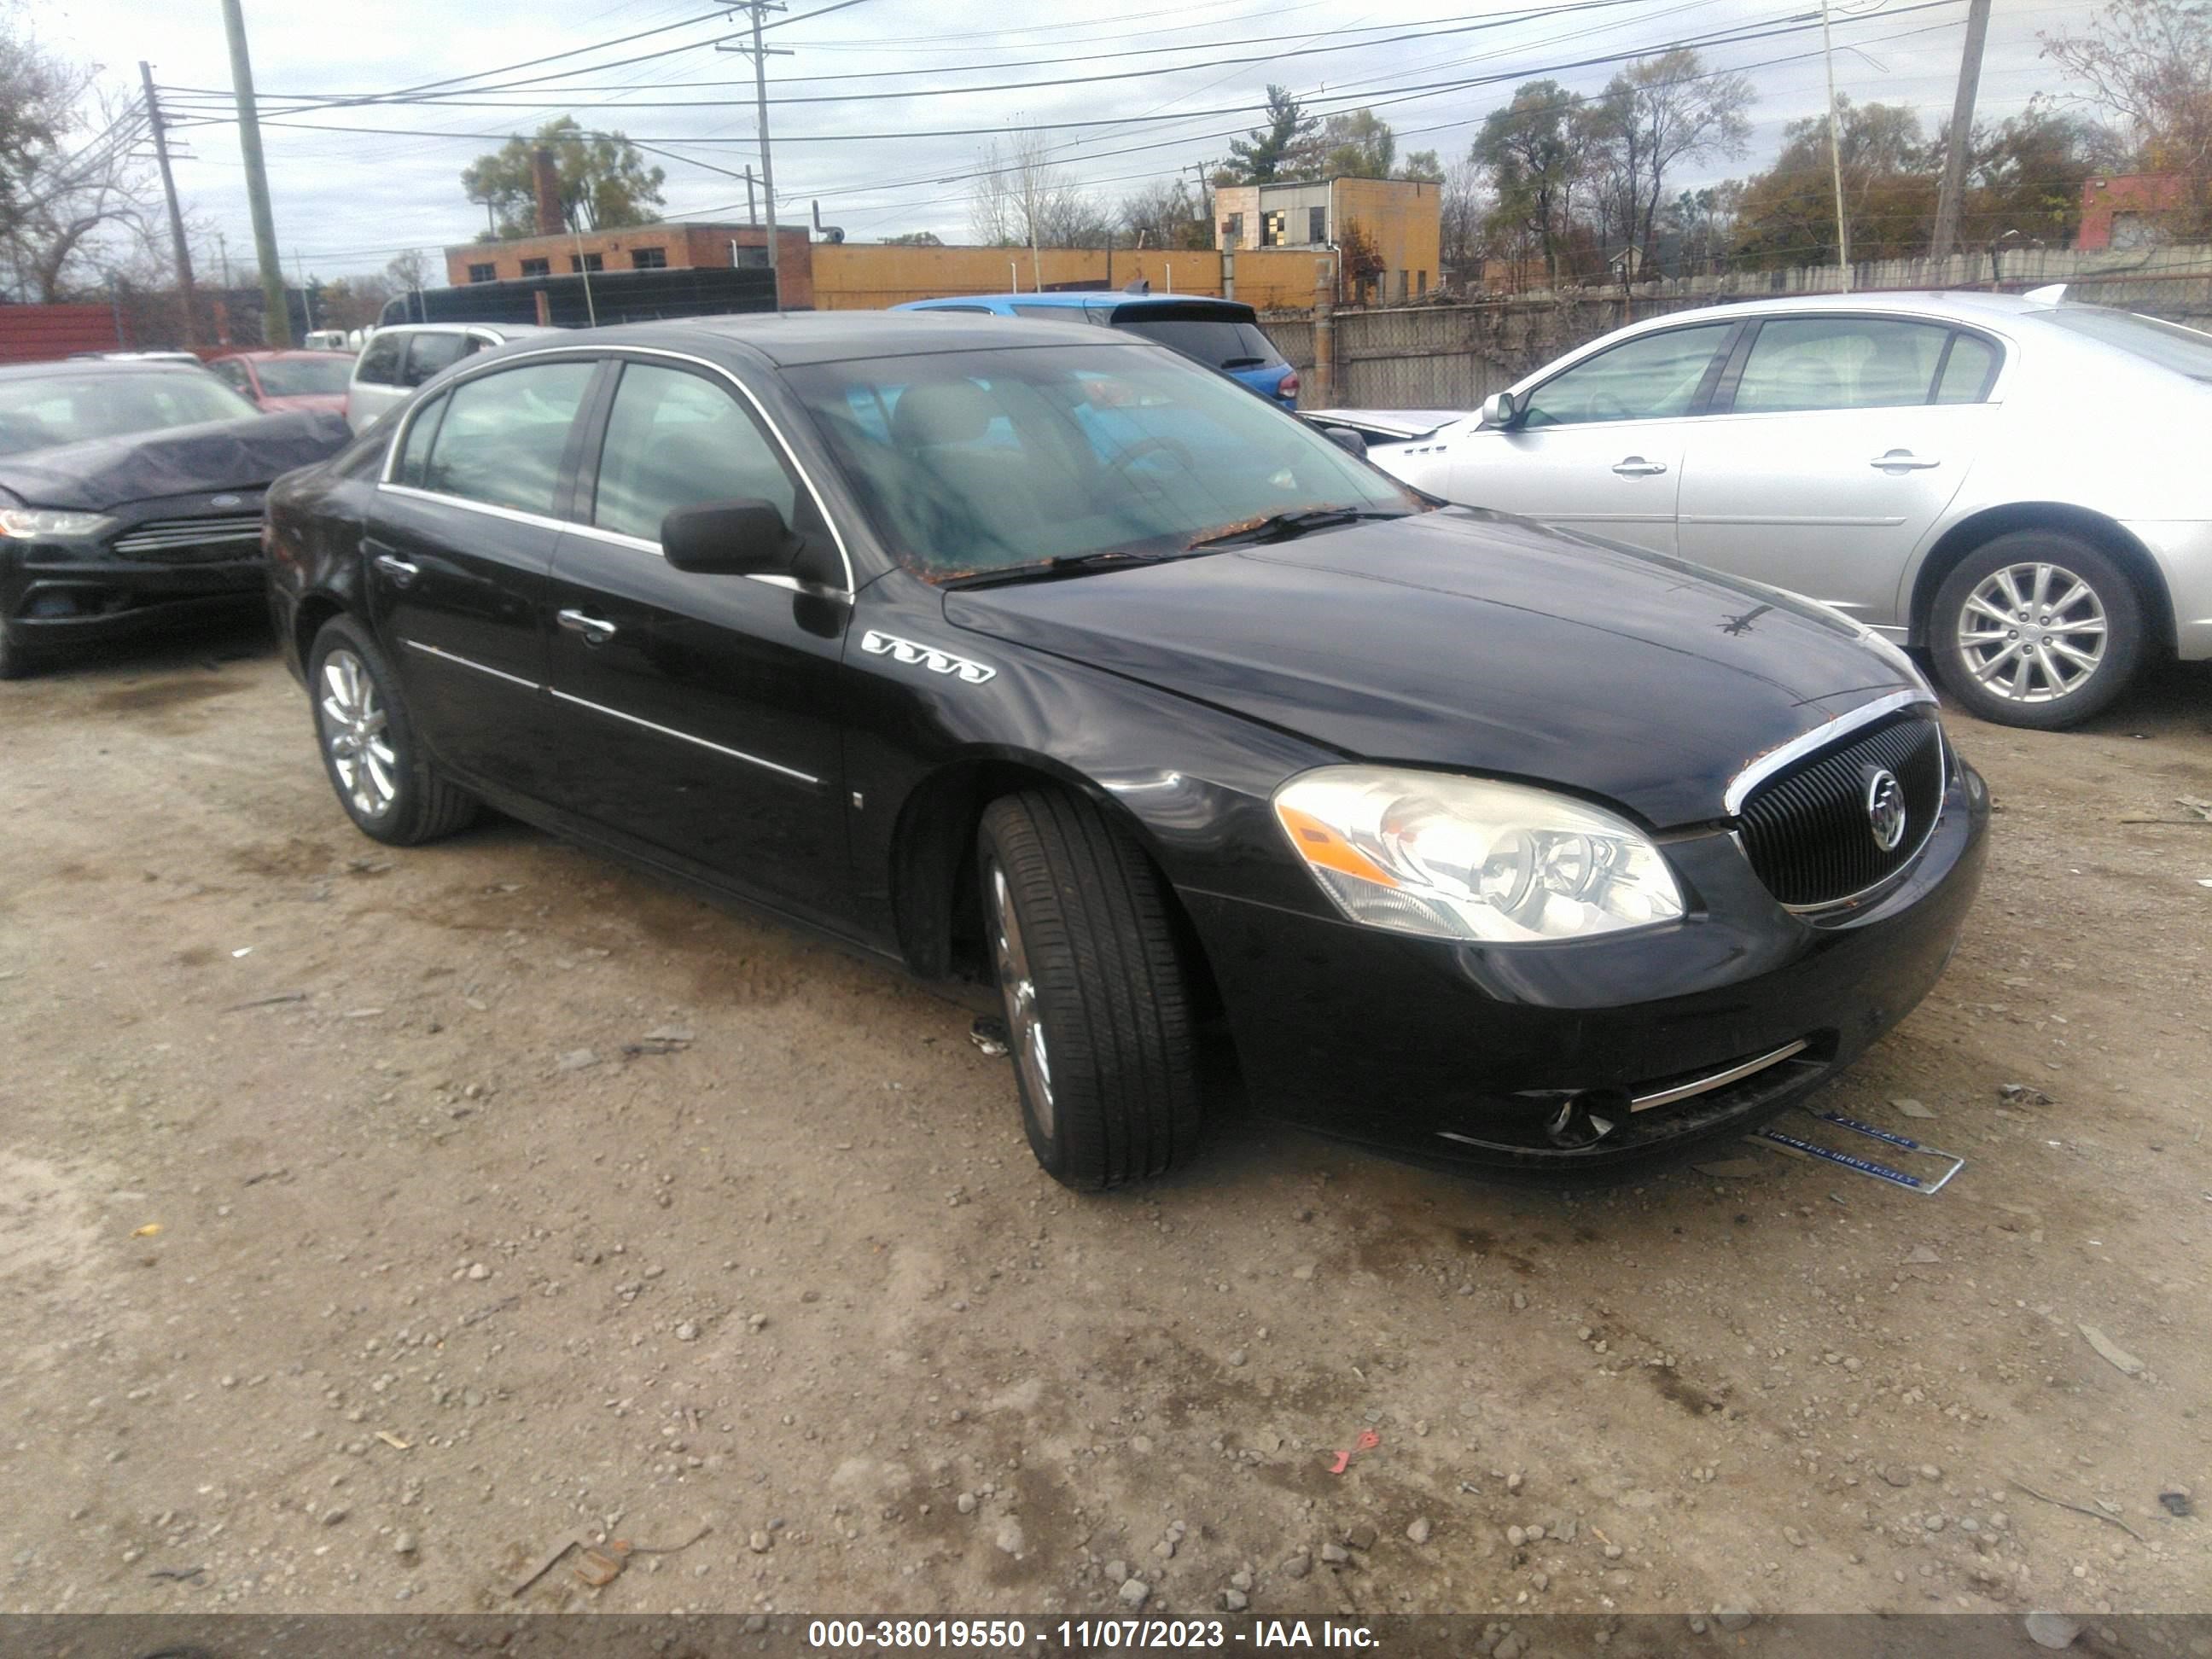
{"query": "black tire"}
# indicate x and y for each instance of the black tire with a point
(1119, 1098)
(16, 662)
(2043, 706)
(421, 806)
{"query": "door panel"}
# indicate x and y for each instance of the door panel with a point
(1833, 463)
(458, 556)
(1617, 478)
(702, 714)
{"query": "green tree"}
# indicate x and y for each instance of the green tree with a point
(1352, 144)
(1529, 154)
(1259, 159)
(2025, 173)
(916, 239)
(1422, 165)
(604, 180)
(1788, 215)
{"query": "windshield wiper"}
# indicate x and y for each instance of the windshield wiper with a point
(1288, 526)
(1063, 564)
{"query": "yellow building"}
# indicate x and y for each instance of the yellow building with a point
(1400, 218)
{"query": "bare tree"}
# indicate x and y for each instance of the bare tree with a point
(1165, 213)
(2148, 65)
(408, 271)
(1465, 204)
(67, 169)
(1657, 112)
(1023, 198)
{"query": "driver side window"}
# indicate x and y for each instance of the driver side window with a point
(1653, 377)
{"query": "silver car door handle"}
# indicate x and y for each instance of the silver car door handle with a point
(1637, 467)
(402, 573)
(594, 631)
(1902, 460)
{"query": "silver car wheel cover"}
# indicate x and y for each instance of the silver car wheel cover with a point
(2032, 633)
(356, 736)
(1026, 1032)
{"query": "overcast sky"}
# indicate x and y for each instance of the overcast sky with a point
(347, 201)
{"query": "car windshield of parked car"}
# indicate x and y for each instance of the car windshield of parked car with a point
(1220, 342)
(973, 462)
(305, 377)
(69, 409)
(2184, 351)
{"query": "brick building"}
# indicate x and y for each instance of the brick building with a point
(2123, 210)
(1402, 217)
(640, 248)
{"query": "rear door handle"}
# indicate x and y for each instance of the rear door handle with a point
(1637, 467)
(403, 574)
(595, 632)
(1902, 460)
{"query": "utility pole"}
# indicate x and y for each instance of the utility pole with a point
(753, 208)
(223, 258)
(1835, 154)
(277, 313)
(1962, 127)
(177, 242)
(758, 10)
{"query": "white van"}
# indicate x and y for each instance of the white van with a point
(398, 359)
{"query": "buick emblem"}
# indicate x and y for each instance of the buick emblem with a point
(1885, 805)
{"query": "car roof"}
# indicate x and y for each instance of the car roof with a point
(825, 337)
(266, 355)
(505, 330)
(1961, 303)
(1080, 300)
(79, 368)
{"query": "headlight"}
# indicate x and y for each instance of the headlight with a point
(1467, 858)
(38, 522)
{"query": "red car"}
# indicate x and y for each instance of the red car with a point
(289, 379)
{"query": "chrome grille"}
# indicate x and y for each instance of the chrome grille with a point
(191, 541)
(1808, 831)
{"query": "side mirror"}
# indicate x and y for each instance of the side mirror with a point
(1500, 410)
(1346, 440)
(742, 538)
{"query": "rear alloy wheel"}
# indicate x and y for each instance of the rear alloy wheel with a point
(2037, 628)
(1097, 998)
(387, 786)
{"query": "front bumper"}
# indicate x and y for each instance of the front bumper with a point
(1465, 1054)
(55, 592)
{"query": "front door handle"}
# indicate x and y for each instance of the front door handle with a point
(403, 574)
(595, 632)
(1902, 460)
(1637, 467)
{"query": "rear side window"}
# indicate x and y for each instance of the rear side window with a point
(502, 436)
(379, 359)
(675, 439)
(1967, 371)
(415, 457)
(429, 353)
(1653, 377)
(1217, 342)
(1840, 362)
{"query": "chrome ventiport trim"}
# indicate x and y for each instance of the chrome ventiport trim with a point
(1705, 1085)
(1775, 759)
(1903, 865)
(466, 662)
(671, 732)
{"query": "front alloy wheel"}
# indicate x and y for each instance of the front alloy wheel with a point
(2038, 628)
(1096, 979)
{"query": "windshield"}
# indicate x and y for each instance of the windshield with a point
(63, 408)
(979, 461)
(300, 377)
(1217, 342)
(2184, 351)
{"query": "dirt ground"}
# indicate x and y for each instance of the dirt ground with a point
(368, 1231)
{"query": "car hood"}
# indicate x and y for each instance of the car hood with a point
(1473, 641)
(330, 401)
(181, 460)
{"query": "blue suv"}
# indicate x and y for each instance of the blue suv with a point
(1221, 334)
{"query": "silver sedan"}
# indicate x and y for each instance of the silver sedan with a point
(2016, 484)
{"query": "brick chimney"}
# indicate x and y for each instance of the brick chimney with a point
(545, 179)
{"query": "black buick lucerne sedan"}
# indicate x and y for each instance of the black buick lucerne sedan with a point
(1024, 652)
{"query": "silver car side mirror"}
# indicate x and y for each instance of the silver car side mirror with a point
(1499, 408)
